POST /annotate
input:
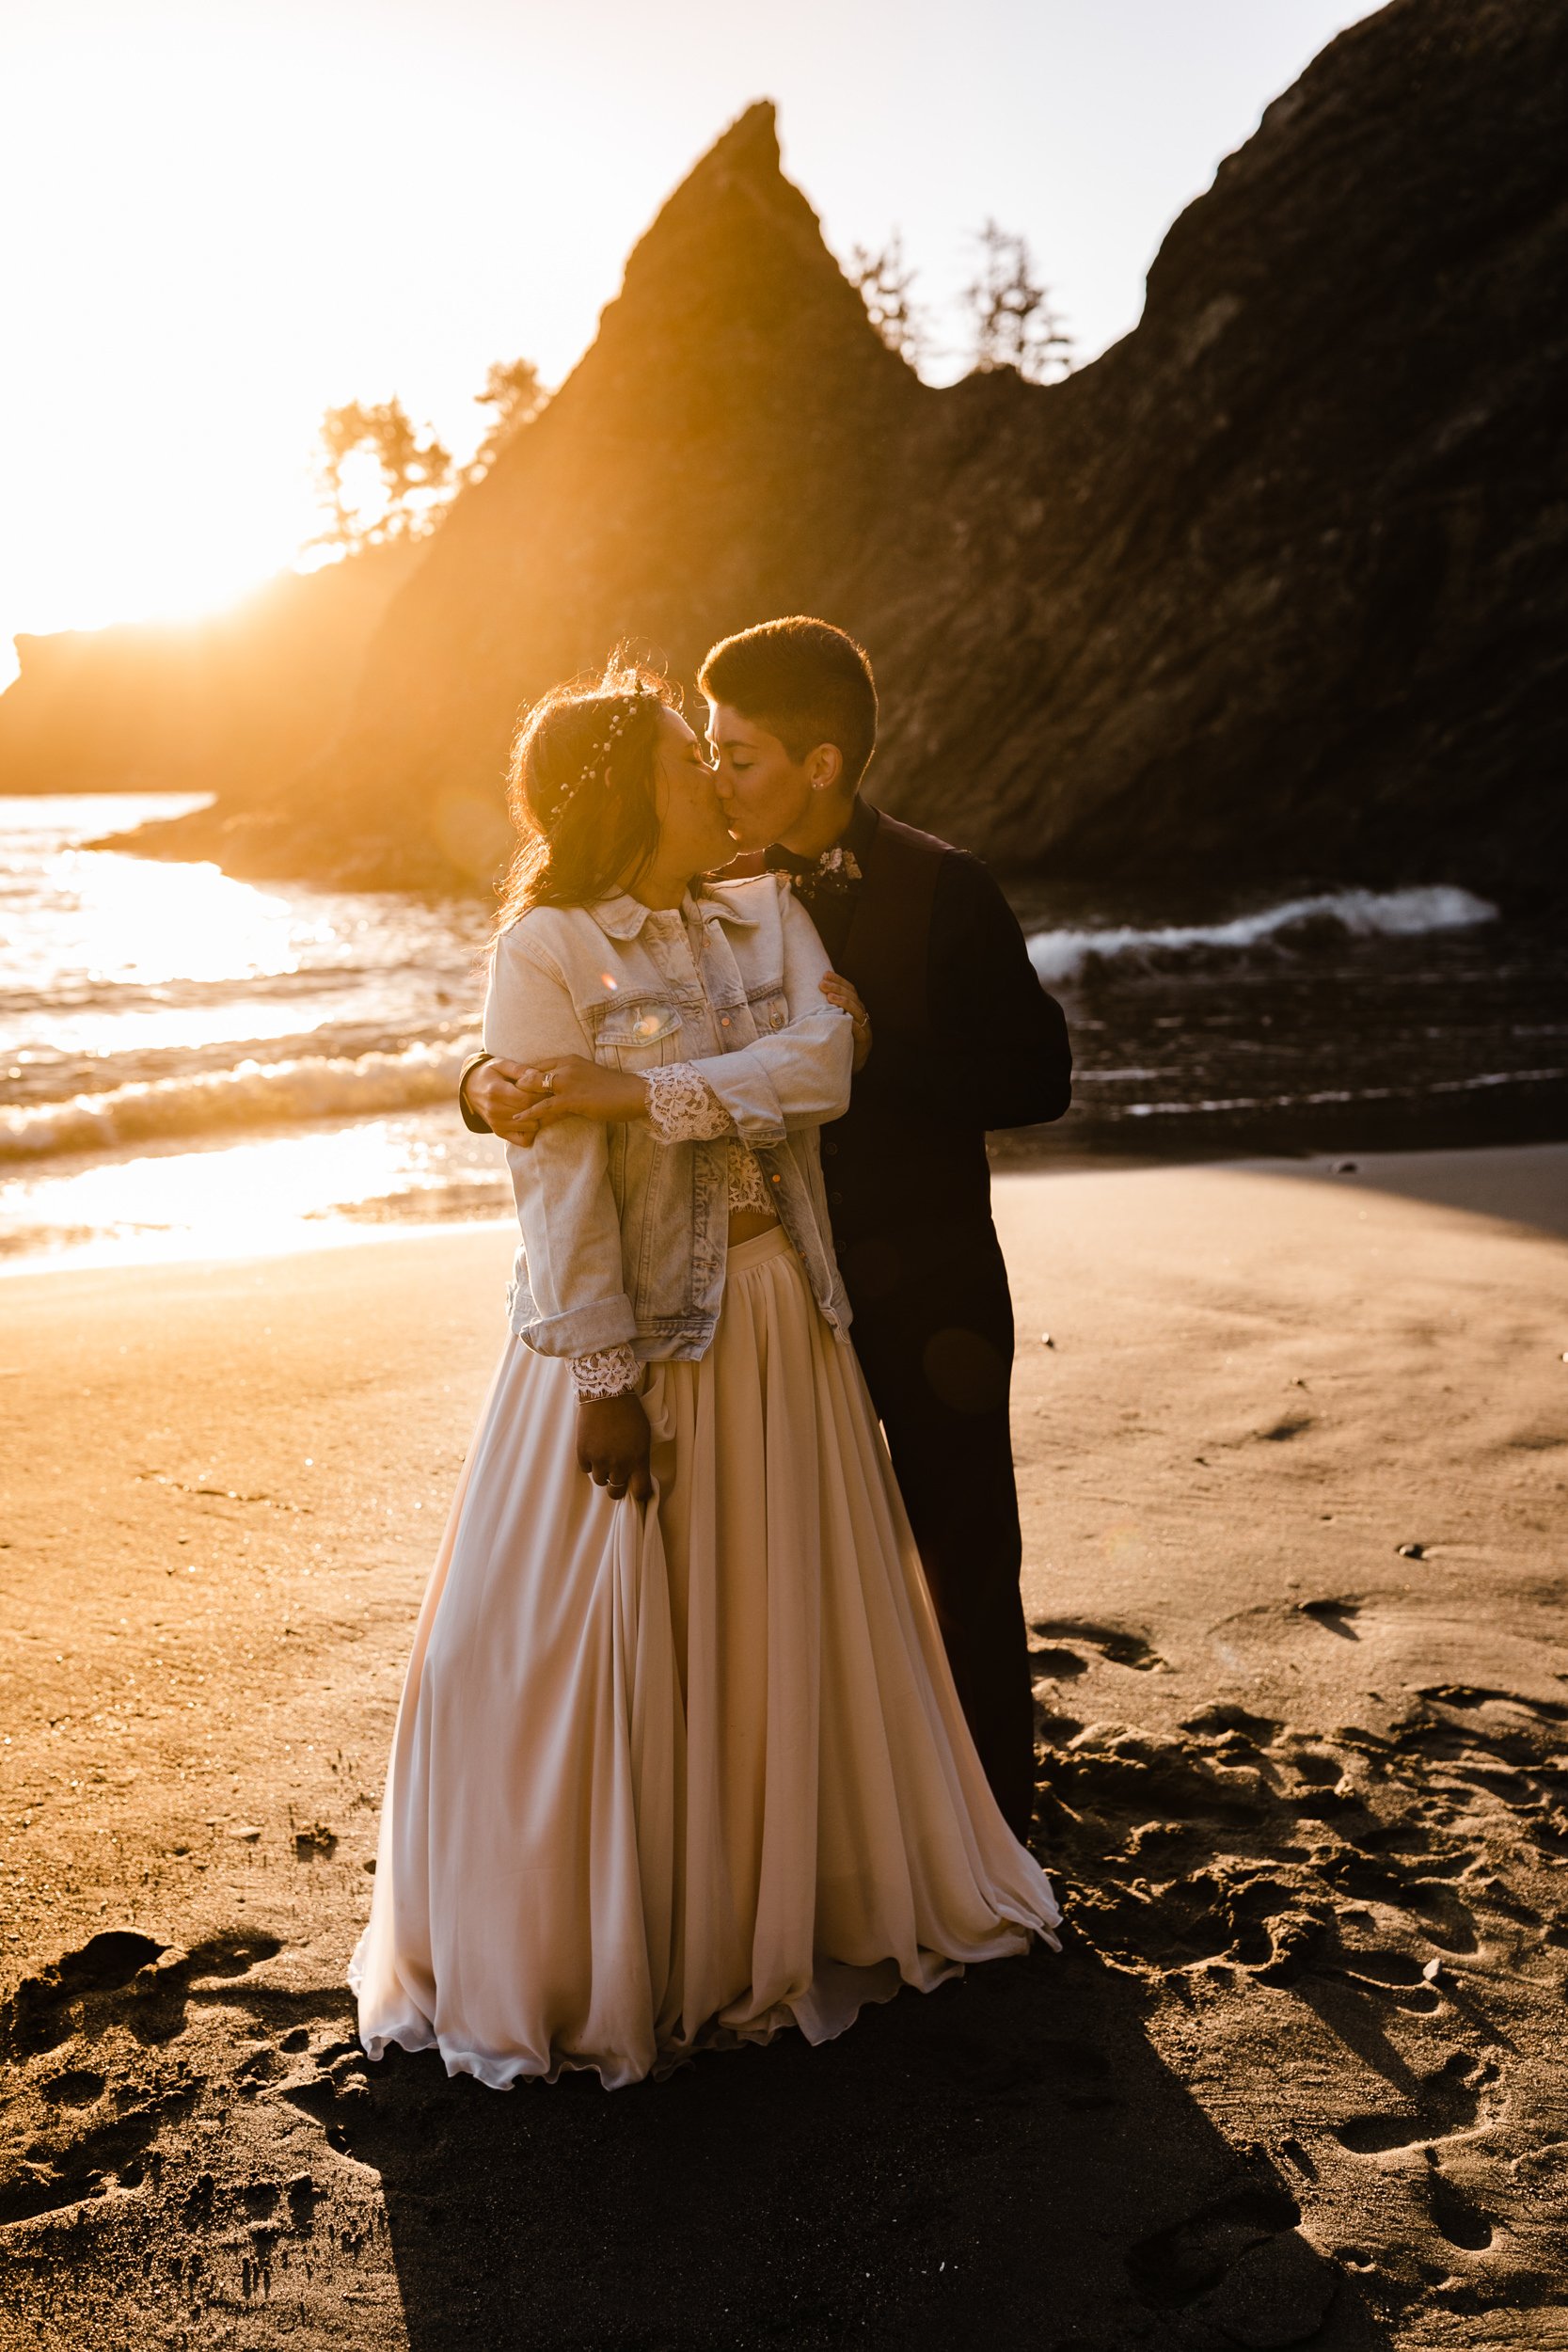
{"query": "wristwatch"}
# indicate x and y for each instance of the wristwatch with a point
(471, 1118)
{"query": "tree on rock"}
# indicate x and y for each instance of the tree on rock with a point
(378, 479)
(886, 281)
(1012, 323)
(515, 395)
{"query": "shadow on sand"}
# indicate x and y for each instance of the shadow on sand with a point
(1005, 2161)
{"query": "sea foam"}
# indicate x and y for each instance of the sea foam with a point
(1058, 955)
(251, 1094)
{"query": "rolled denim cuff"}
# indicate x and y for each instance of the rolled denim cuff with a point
(471, 1118)
(583, 1331)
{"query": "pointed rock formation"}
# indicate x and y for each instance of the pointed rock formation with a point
(730, 437)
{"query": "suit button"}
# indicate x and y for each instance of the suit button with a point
(829, 1150)
(835, 1198)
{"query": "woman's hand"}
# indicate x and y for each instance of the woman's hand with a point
(569, 1086)
(612, 1445)
(840, 992)
(505, 1106)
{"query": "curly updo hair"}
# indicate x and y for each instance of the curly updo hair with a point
(582, 790)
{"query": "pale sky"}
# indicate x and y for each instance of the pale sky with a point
(223, 216)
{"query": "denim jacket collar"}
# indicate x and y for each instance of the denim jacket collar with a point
(623, 916)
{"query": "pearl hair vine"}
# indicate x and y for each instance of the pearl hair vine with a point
(597, 767)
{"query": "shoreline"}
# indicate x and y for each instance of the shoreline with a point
(1300, 1796)
(380, 1217)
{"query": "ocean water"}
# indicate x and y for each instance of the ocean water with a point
(1320, 1023)
(192, 1065)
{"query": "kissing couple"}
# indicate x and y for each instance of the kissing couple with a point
(719, 1719)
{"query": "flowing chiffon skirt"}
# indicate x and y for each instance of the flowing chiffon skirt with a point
(677, 1775)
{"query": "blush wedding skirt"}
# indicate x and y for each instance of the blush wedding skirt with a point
(674, 1776)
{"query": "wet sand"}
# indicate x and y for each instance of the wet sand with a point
(1294, 1468)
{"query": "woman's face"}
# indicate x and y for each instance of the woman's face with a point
(693, 835)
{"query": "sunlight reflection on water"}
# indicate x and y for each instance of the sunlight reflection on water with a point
(149, 1010)
(133, 922)
(283, 1191)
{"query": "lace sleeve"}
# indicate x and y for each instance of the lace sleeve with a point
(607, 1371)
(682, 1108)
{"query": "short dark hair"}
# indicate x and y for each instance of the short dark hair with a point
(804, 681)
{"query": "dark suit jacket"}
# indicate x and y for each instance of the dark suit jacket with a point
(964, 1037)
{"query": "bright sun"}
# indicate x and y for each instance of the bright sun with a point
(102, 549)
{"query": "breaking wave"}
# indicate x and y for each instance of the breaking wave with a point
(250, 1094)
(1058, 955)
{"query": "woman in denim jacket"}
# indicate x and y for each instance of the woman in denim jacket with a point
(679, 1760)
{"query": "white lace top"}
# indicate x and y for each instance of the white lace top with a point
(682, 1108)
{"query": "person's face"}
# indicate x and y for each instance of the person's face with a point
(692, 833)
(765, 793)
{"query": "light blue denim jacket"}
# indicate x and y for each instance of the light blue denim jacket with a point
(625, 1236)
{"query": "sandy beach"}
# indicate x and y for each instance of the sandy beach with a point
(1293, 1461)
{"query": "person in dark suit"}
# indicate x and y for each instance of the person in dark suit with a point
(965, 1039)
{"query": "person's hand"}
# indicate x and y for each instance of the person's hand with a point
(569, 1086)
(840, 992)
(505, 1105)
(612, 1445)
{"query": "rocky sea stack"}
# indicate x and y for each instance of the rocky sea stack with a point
(1275, 589)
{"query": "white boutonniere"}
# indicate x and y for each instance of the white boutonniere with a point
(835, 871)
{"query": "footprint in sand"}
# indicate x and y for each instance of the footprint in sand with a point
(1056, 1665)
(1233, 1723)
(1466, 1696)
(336, 2092)
(1240, 1842)
(1239, 2266)
(124, 1978)
(78, 2086)
(111, 2155)
(1116, 1643)
(1453, 2215)
(38, 2014)
(1447, 2101)
(1335, 1616)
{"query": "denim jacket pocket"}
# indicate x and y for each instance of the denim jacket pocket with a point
(638, 1036)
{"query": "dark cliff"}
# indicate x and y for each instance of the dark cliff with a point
(1286, 590)
(1276, 588)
